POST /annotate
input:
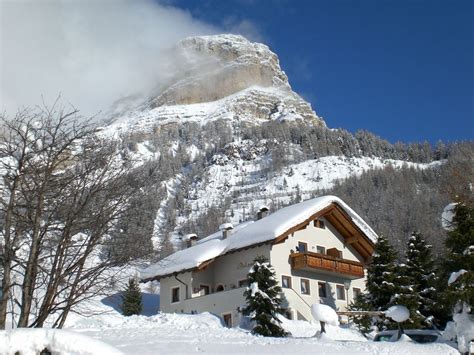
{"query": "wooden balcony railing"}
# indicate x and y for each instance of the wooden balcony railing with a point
(324, 262)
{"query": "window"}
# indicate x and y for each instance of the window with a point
(175, 294)
(319, 224)
(320, 249)
(219, 288)
(322, 290)
(356, 292)
(302, 247)
(203, 290)
(340, 292)
(286, 281)
(305, 287)
(243, 283)
(227, 319)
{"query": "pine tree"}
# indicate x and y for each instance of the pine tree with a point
(460, 256)
(421, 279)
(458, 297)
(382, 275)
(362, 322)
(407, 296)
(132, 299)
(382, 282)
(263, 296)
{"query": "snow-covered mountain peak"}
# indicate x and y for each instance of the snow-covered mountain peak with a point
(229, 48)
(218, 77)
(213, 67)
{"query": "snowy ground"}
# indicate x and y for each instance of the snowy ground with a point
(160, 333)
(184, 334)
(203, 333)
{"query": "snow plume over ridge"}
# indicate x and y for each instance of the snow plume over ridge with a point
(93, 53)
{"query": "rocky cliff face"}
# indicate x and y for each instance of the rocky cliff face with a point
(219, 66)
(221, 77)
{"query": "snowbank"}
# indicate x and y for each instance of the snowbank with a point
(177, 322)
(204, 333)
(33, 341)
(166, 333)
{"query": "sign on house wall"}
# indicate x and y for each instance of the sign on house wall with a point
(244, 265)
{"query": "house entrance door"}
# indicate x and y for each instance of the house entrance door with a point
(227, 320)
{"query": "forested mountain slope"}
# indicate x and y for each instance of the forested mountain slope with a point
(227, 134)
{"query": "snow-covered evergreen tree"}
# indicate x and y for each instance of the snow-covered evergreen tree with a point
(382, 275)
(362, 322)
(406, 295)
(420, 280)
(382, 285)
(459, 263)
(132, 299)
(263, 296)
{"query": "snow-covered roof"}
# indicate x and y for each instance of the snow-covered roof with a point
(250, 233)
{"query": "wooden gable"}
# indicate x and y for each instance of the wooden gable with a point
(343, 223)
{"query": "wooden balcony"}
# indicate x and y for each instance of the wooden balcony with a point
(327, 264)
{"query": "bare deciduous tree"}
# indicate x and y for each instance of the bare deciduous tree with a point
(64, 192)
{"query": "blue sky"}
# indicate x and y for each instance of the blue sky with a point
(400, 69)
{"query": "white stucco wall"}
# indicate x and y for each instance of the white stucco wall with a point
(328, 238)
(231, 268)
(227, 270)
(219, 303)
(166, 284)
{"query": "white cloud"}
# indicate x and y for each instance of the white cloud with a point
(92, 52)
(243, 27)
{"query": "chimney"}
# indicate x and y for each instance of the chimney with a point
(226, 229)
(191, 240)
(262, 212)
